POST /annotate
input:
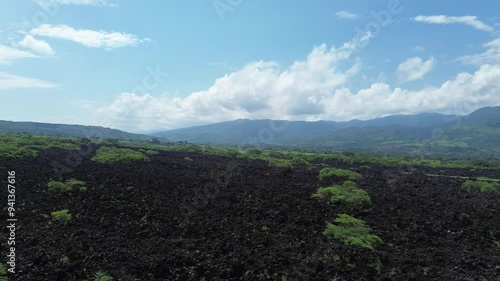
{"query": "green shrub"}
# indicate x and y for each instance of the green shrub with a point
(299, 162)
(347, 194)
(56, 186)
(351, 230)
(3, 269)
(28, 146)
(61, 187)
(62, 216)
(110, 155)
(151, 152)
(102, 276)
(277, 155)
(327, 174)
(65, 260)
(483, 186)
(254, 151)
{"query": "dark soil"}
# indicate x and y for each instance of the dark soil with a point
(216, 218)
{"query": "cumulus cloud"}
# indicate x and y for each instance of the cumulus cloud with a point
(472, 21)
(491, 55)
(9, 54)
(259, 89)
(89, 38)
(312, 89)
(37, 46)
(346, 15)
(10, 81)
(461, 95)
(414, 69)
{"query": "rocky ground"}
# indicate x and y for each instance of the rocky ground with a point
(216, 218)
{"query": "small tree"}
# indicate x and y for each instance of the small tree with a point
(62, 216)
(351, 230)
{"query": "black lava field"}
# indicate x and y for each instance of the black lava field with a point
(189, 216)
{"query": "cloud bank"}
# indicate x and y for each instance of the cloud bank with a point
(315, 88)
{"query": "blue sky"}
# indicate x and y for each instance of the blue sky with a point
(145, 66)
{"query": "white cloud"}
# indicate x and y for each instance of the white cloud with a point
(312, 89)
(89, 38)
(38, 46)
(461, 95)
(414, 69)
(346, 15)
(467, 20)
(10, 81)
(9, 54)
(258, 89)
(491, 55)
(46, 3)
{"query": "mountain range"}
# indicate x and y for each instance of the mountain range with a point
(478, 131)
(63, 130)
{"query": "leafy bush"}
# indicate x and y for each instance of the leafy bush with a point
(347, 194)
(351, 230)
(62, 216)
(110, 155)
(3, 269)
(61, 187)
(254, 151)
(483, 186)
(327, 174)
(28, 146)
(300, 162)
(102, 276)
(151, 152)
(277, 155)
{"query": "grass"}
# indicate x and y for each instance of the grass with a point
(111, 155)
(483, 186)
(327, 174)
(61, 216)
(62, 187)
(102, 276)
(352, 231)
(347, 194)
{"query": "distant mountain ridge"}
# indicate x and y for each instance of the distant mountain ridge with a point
(63, 130)
(393, 130)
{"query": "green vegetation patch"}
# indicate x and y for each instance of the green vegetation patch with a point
(327, 174)
(61, 187)
(110, 155)
(28, 146)
(347, 194)
(62, 216)
(102, 276)
(353, 231)
(3, 269)
(483, 186)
